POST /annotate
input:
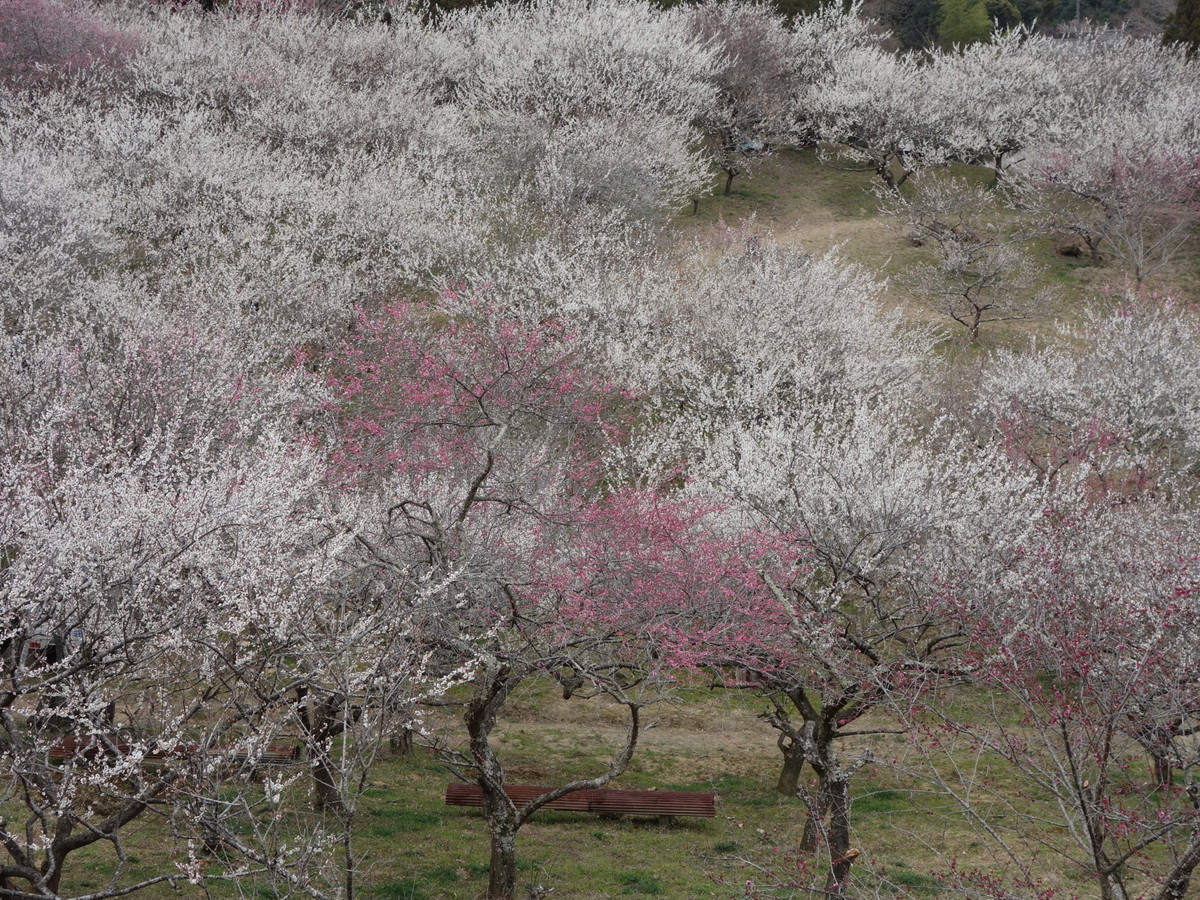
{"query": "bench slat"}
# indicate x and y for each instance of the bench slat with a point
(89, 748)
(604, 800)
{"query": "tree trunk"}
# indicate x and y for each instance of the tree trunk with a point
(841, 856)
(56, 856)
(1162, 768)
(814, 825)
(793, 764)
(729, 173)
(1180, 878)
(329, 797)
(502, 873)
(884, 170)
(402, 742)
(492, 686)
(324, 722)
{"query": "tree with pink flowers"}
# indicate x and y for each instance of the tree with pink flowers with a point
(479, 443)
(44, 41)
(1087, 649)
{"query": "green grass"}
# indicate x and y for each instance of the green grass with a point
(414, 847)
(880, 802)
(904, 881)
(639, 883)
(401, 889)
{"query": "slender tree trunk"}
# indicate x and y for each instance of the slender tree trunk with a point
(729, 173)
(348, 861)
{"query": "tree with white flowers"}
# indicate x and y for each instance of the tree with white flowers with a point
(752, 108)
(162, 535)
(877, 110)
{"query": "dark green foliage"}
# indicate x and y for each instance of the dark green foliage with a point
(963, 22)
(913, 22)
(788, 8)
(1057, 11)
(1183, 26)
(1004, 13)
(437, 9)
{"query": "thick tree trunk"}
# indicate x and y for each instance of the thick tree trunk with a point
(56, 857)
(492, 687)
(814, 825)
(328, 795)
(841, 856)
(793, 764)
(502, 874)
(402, 742)
(1162, 767)
(327, 725)
(884, 170)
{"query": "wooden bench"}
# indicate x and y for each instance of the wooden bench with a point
(91, 747)
(610, 801)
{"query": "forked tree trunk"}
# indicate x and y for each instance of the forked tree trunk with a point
(491, 690)
(492, 687)
(1179, 879)
(793, 765)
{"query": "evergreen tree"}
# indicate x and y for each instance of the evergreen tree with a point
(963, 22)
(1183, 26)
(913, 22)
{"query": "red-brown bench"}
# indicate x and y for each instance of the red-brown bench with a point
(90, 747)
(611, 801)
